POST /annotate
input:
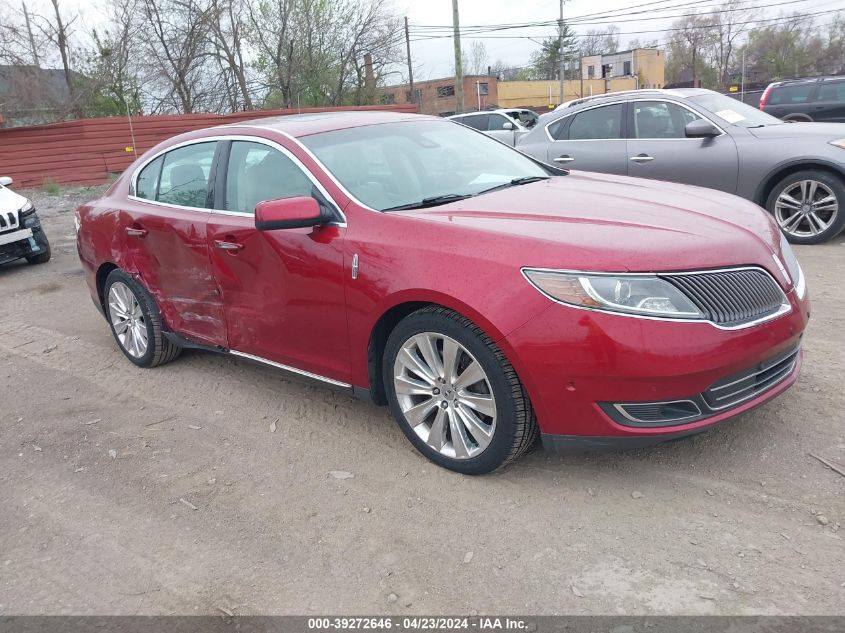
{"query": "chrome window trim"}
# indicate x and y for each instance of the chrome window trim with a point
(237, 137)
(294, 370)
(623, 101)
(786, 306)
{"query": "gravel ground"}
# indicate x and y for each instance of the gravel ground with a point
(207, 483)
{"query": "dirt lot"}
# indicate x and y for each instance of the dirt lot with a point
(130, 491)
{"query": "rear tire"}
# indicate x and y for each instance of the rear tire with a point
(480, 402)
(809, 206)
(135, 322)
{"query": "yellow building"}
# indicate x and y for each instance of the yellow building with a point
(628, 70)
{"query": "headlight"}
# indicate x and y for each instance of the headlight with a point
(840, 142)
(793, 267)
(630, 294)
(27, 208)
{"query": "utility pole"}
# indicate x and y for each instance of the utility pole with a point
(410, 66)
(560, 46)
(459, 72)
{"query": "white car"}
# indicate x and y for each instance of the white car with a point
(21, 235)
(507, 126)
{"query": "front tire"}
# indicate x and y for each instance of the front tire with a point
(454, 394)
(135, 322)
(809, 206)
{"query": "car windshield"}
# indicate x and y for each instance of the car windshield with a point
(419, 163)
(729, 110)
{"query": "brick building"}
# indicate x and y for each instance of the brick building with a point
(437, 96)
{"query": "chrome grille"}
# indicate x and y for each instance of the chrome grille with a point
(731, 297)
(734, 389)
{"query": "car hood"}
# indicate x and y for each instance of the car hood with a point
(10, 201)
(592, 221)
(826, 131)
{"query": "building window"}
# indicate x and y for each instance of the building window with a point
(409, 96)
(591, 72)
(389, 98)
(445, 91)
(626, 68)
(482, 89)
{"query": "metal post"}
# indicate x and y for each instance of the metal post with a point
(478, 93)
(410, 66)
(560, 46)
(742, 82)
(459, 72)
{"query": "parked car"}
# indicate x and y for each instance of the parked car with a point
(815, 99)
(497, 123)
(484, 296)
(21, 235)
(699, 137)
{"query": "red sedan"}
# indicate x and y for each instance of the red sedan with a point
(483, 296)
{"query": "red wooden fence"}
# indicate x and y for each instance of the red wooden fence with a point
(88, 151)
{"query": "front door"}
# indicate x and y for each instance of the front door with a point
(283, 291)
(659, 148)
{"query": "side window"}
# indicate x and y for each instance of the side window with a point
(798, 93)
(598, 123)
(258, 172)
(660, 119)
(477, 121)
(185, 174)
(147, 185)
(496, 123)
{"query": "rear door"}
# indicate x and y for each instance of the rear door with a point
(163, 234)
(829, 102)
(591, 139)
(659, 149)
(283, 290)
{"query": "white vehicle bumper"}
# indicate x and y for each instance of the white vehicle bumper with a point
(16, 236)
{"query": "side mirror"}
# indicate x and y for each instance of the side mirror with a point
(507, 125)
(701, 128)
(6, 181)
(287, 213)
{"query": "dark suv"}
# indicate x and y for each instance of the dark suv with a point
(816, 99)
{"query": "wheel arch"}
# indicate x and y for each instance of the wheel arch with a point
(103, 273)
(400, 308)
(787, 169)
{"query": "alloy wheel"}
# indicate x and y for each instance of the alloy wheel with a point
(127, 319)
(806, 208)
(445, 395)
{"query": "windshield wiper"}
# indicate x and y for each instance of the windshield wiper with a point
(432, 201)
(515, 183)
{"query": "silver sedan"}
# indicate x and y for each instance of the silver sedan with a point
(699, 137)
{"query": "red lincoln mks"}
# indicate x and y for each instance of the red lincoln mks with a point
(484, 297)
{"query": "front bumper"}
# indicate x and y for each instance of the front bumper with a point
(575, 363)
(27, 241)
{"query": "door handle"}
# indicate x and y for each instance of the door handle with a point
(642, 158)
(564, 159)
(228, 246)
(135, 232)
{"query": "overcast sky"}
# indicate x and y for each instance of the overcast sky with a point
(435, 58)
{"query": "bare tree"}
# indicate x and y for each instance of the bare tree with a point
(227, 26)
(730, 25)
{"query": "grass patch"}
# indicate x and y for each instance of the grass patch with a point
(50, 187)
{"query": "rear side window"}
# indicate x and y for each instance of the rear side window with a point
(497, 122)
(477, 121)
(257, 173)
(185, 174)
(798, 93)
(147, 185)
(598, 123)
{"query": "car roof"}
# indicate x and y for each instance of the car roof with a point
(298, 125)
(807, 80)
